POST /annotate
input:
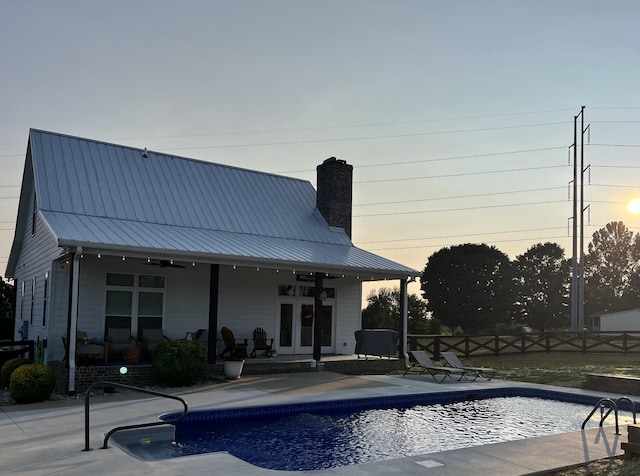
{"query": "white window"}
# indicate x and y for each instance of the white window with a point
(134, 301)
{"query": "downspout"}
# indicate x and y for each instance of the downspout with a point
(73, 324)
(404, 296)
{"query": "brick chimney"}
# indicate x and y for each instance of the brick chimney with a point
(334, 196)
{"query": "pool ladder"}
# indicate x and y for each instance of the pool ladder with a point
(126, 427)
(613, 407)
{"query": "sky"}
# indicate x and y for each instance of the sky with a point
(457, 116)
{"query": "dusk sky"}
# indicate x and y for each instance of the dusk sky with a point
(456, 115)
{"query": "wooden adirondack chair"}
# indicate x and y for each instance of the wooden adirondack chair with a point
(260, 342)
(234, 347)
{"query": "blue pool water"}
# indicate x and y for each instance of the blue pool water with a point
(322, 435)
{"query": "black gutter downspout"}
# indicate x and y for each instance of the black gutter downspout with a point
(317, 323)
(214, 282)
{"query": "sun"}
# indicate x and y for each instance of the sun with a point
(634, 205)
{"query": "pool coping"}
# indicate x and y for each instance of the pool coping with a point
(35, 444)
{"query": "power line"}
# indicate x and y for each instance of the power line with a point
(465, 235)
(347, 139)
(615, 145)
(439, 159)
(316, 128)
(449, 245)
(462, 174)
(458, 209)
(459, 196)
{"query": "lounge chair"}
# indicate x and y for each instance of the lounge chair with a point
(234, 347)
(423, 361)
(260, 342)
(482, 372)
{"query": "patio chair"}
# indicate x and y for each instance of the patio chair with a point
(423, 361)
(260, 342)
(202, 337)
(87, 349)
(234, 347)
(482, 372)
(119, 339)
(152, 338)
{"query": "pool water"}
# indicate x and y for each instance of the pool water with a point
(320, 439)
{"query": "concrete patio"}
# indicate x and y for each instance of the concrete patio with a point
(48, 438)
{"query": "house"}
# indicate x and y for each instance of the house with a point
(114, 237)
(621, 321)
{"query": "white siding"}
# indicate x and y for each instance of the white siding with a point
(58, 310)
(249, 298)
(35, 260)
(621, 321)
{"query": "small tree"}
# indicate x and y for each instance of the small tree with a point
(179, 362)
(7, 302)
(383, 312)
(469, 286)
(611, 270)
(541, 279)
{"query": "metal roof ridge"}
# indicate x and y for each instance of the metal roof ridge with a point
(164, 154)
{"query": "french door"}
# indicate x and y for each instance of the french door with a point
(296, 327)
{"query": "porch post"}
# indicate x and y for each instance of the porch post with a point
(73, 324)
(317, 323)
(212, 344)
(404, 311)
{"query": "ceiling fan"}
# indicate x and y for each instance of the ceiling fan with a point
(165, 264)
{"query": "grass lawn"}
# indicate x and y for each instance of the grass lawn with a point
(566, 369)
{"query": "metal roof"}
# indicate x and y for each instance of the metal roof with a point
(108, 196)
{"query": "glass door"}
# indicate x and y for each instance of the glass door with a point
(304, 334)
(295, 319)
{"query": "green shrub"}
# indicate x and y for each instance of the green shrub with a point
(179, 362)
(32, 383)
(8, 368)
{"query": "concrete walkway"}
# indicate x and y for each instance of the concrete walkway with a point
(48, 438)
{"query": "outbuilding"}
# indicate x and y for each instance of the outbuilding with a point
(110, 237)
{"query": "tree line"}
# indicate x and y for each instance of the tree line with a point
(476, 288)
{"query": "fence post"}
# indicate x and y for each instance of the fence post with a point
(436, 348)
(624, 343)
(547, 343)
(584, 342)
(496, 345)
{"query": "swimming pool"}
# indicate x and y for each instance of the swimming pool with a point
(320, 435)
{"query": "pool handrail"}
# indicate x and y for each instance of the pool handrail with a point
(126, 427)
(614, 407)
(631, 403)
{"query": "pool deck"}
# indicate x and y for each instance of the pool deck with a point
(48, 438)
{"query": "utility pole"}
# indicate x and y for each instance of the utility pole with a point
(577, 262)
(581, 323)
(574, 260)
